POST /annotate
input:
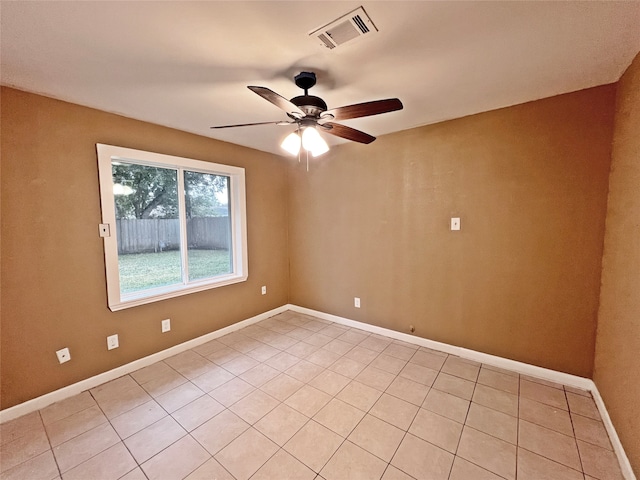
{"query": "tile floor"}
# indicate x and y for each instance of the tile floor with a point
(295, 397)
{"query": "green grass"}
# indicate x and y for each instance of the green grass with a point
(140, 271)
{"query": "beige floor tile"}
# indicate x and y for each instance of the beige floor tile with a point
(313, 445)
(308, 400)
(353, 336)
(377, 436)
(421, 459)
(240, 364)
(542, 382)
(83, 447)
(282, 386)
(209, 348)
(584, 406)
(497, 399)
(599, 462)
(394, 411)
(465, 470)
(65, 408)
(299, 334)
(338, 347)
(535, 467)
(179, 397)
(543, 394)
(461, 368)
(488, 452)
(330, 382)
(254, 406)
(399, 351)
(392, 473)
(282, 361)
(218, 432)
(577, 391)
(493, 422)
(429, 360)
(499, 381)
(189, 364)
(232, 391)
(389, 364)
(114, 405)
(224, 355)
(375, 378)
(548, 443)
(435, 429)
(19, 427)
(418, 373)
(113, 463)
(454, 385)
(197, 412)
(347, 367)
(333, 330)
(304, 371)
(115, 388)
(546, 416)
(281, 342)
(339, 417)
(234, 456)
(408, 390)
(135, 474)
(590, 431)
(264, 352)
(282, 423)
(501, 370)
(66, 428)
(140, 417)
(209, 470)
(213, 379)
(42, 466)
(354, 463)
(177, 461)
(153, 439)
(447, 405)
(376, 343)
(323, 357)
(318, 339)
(246, 345)
(361, 354)
(359, 395)
(164, 383)
(283, 466)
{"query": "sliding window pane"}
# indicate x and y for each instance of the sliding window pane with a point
(147, 226)
(208, 225)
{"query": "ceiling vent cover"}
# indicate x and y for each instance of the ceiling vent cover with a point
(349, 27)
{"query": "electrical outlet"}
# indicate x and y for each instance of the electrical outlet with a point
(63, 355)
(356, 302)
(112, 342)
(166, 325)
(455, 223)
(264, 289)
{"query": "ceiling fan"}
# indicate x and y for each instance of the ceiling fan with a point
(310, 114)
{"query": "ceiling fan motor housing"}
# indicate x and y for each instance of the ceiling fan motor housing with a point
(310, 105)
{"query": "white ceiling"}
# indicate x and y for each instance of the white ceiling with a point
(187, 64)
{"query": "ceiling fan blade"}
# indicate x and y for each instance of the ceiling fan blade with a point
(252, 124)
(365, 109)
(278, 100)
(347, 132)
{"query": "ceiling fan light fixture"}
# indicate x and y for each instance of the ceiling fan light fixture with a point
(313, 142)
(291, 143)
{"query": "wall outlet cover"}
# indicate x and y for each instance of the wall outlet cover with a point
(112, 342)
(63, 355)
(356, 302)
(455, 223)
(166, 325)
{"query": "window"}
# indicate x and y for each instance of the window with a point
(175, 225)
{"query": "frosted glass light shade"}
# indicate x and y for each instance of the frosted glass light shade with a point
(291, 143)
(313, 142)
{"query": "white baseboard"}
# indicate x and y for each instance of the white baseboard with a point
(513, 365)
(519, 367)
(89, 383)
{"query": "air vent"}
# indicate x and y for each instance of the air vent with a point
(348, 28)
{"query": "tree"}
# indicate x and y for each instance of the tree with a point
(153, 192)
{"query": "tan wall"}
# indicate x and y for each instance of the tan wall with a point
(617, 359)
(53, 281)
(520, 280)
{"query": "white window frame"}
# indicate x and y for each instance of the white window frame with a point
(237, 206)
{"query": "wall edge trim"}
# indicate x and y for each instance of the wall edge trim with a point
(75, 388)
(514, 365)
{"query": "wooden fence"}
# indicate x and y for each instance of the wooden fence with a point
(157, 235)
